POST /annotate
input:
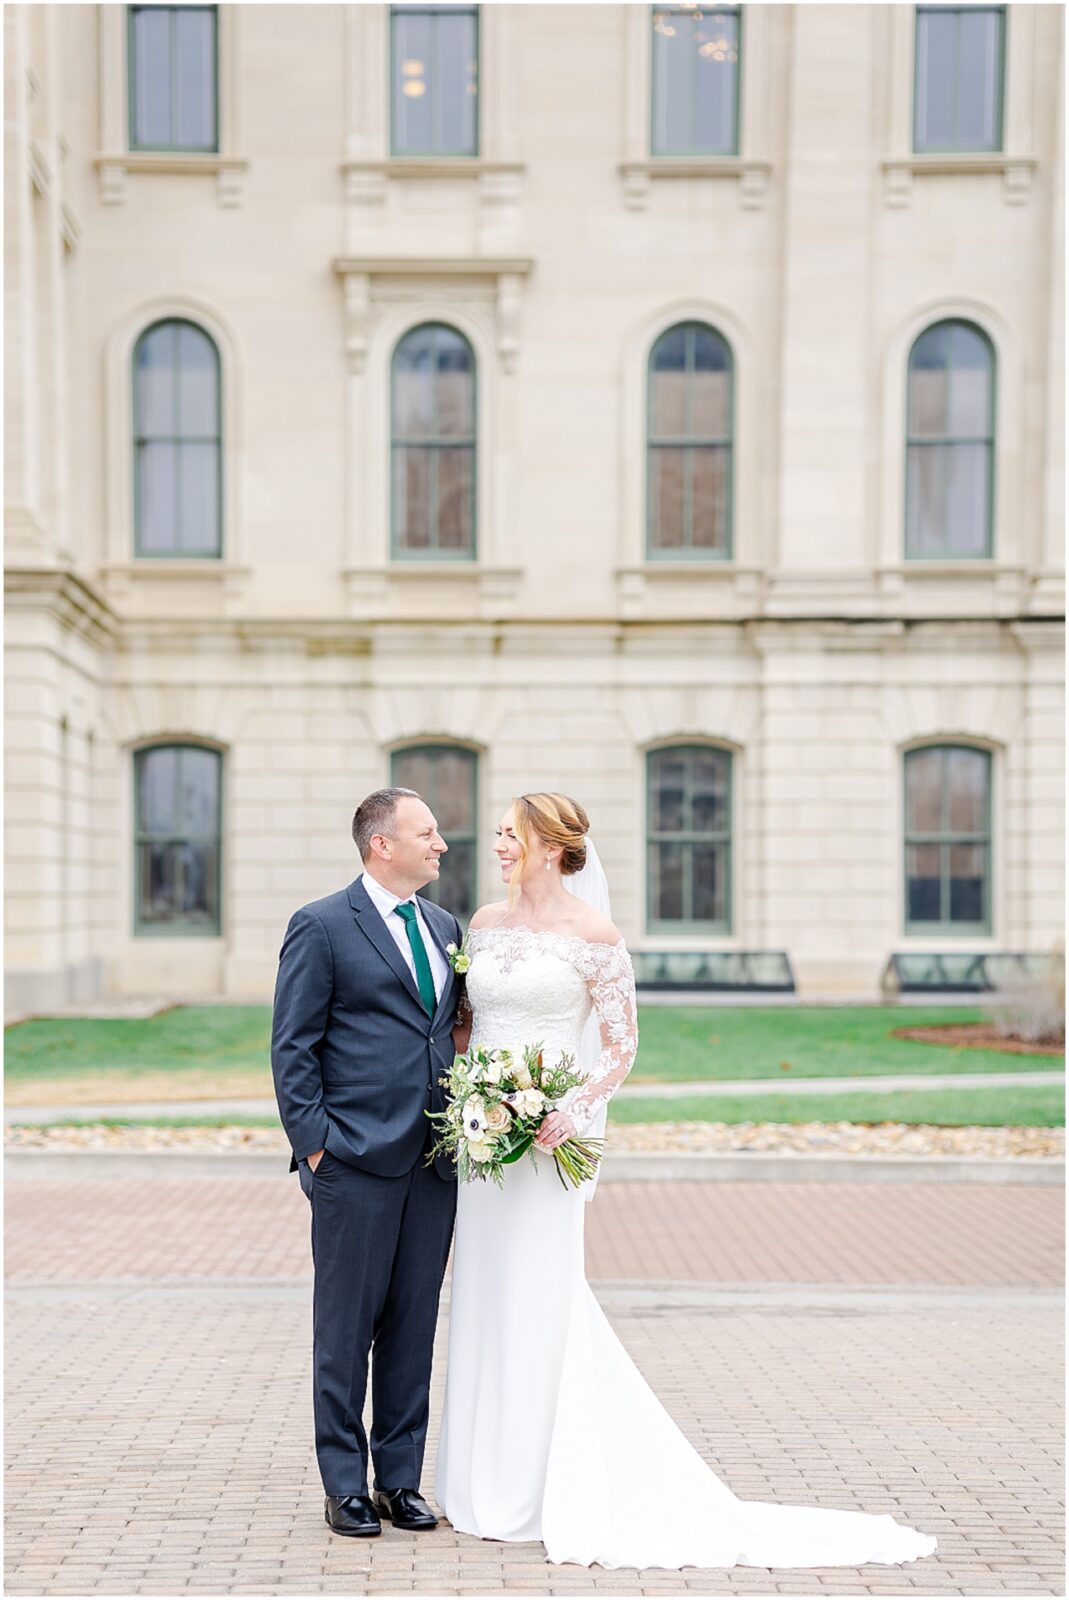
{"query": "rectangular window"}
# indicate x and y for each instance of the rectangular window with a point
(434, 54)
(688, 840)
(172, 67)
(958, 78)
(695, 88)
(177, 840)
(447, 778)
(948, 840)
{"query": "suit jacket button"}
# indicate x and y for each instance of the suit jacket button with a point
(431, 1040)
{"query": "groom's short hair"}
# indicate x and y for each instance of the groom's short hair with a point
(375, 815)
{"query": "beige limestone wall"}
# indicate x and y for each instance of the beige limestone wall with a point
(816, 655)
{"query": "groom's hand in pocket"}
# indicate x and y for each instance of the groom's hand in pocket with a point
(315, 1159)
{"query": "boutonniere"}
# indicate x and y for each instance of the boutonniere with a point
(458, 957)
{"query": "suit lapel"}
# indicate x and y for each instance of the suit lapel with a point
(371, 923)
(431, 913)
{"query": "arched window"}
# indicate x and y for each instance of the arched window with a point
(950, 443)
(447, 778)
(177, 443)
(689, 445)
(177, 842)
(433, 445)
(688, 840)
(948, 840)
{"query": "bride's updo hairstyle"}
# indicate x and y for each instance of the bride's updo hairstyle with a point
(551, 819)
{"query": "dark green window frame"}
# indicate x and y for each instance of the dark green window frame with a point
(944, 838)
(958, 146)
(925, 441)
(173, 144)
(455, 836)
(688, 838)
(692, 148)
(437, 150)
(141, 439)
(436, 444)
(178, 928)
(690, 443)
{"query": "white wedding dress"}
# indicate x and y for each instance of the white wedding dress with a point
(550, 1431)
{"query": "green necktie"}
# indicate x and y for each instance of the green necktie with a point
(407, 912)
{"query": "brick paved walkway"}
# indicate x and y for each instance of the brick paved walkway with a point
(158, 1400)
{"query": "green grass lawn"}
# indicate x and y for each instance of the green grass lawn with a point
(197, 1052)
(1041, 1107)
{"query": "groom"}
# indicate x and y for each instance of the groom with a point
(364, 1005)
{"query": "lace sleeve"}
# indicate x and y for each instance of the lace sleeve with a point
(611, 980)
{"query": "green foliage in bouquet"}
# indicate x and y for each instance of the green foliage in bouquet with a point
(496, 1105)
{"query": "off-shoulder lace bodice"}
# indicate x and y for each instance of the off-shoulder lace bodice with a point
(525, 987)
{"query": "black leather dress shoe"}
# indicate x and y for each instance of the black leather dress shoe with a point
(406, 1508)
(352, 1514)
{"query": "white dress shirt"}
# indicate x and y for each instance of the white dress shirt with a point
(385, 902)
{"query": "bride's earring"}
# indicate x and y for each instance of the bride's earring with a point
(548, 863)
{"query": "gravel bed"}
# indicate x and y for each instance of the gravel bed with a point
(805, 1138)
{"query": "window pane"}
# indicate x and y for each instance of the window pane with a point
(710, 415)
(709, 792)
(412, 124)
(936, 74)
(155, 382)
(414, 387)
(929, 408)
(922, 882)
(709, 869)
(455, 85)
(455, 523)
(455, 792)
(455, 388)
(967, 499)
(198, 499)
(924, 788)
(668, 386)
(666, 882)
(672, 83)
(715, 51)
(198, 778)
(152, 77)
(195, 70)
(967, 882)
(157, 791)
(969, 395)
(979, 69)
(966, 781)
(709, 498)
(157, 530)
(455, 888)
(412, 480)
(667, 474)
(927, 487)
(667, 792)
(198, 389)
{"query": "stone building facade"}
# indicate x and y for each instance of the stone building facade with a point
(676, 421)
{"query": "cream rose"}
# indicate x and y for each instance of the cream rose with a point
(497, 1119)
(479, 1150)
(521, 1075)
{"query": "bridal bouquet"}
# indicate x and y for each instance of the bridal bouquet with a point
(497, 1102)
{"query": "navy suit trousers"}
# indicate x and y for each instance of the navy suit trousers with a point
(379, 1247)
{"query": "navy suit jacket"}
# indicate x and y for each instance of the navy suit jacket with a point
(356, 1059)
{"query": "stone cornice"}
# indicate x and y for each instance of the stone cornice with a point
(64, 595)
(434, 266)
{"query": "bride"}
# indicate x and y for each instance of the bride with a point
(549, 1430)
